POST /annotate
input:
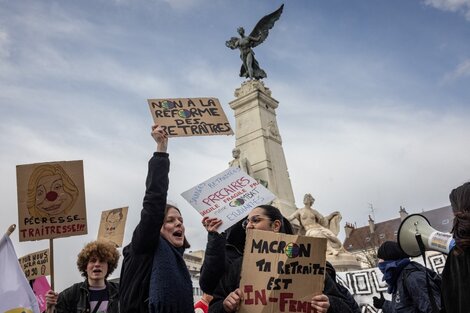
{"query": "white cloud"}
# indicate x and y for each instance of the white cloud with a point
(462, 70)
(461, 6)
(182, 4)
(4, 44)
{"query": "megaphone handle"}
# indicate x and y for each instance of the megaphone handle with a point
(422, 248)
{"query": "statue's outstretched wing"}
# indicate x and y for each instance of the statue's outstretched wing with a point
(262, 28)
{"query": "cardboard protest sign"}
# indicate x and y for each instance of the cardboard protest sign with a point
(280, 273)
(112, 225)
(190, 116)
(36, 264)
(230, 196)
(51, 200)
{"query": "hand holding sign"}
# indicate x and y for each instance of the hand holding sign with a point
(232, 302)
(211, 224)
(160, 137)
(320, 303)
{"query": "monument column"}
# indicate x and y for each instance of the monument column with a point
(259, 140)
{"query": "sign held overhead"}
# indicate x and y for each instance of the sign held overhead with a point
(190, 116)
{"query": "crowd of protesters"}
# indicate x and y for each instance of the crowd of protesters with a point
(154, 277)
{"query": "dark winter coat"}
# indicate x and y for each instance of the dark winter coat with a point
(219, 248)
(456, 283)
(138, 255)
(411, 295)
(76, 298)
(231, 281)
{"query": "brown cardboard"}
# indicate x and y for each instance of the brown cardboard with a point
(190, 116)
(36, 264)
(112, 225)
(281, 273)
(51, 200)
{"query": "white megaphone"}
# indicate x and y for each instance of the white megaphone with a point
(416, 228)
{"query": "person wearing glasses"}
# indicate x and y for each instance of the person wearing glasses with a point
(228, 295)
(154, 277)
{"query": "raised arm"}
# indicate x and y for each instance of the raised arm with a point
(214, 264)
(147, 232)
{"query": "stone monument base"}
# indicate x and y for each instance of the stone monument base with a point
(344, 262)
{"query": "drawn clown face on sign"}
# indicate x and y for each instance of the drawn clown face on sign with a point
(112, 220)
(50, 191)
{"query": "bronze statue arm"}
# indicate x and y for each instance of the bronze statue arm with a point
(255, 39)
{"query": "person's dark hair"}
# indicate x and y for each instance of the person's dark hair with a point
(460, 202)
(186, 244)
(274, 214)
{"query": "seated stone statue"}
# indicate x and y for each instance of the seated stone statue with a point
(242, 163)
(314, 224)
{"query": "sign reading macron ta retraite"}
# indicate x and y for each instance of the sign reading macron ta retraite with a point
(190, 116)
(280, 272)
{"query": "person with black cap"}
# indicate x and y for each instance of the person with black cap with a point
(456, 274)
(407, 283)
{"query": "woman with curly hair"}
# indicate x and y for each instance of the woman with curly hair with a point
(96, 261)
(456, 275)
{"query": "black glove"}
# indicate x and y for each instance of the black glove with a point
(378, 303)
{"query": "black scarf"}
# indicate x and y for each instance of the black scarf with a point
(171, 289)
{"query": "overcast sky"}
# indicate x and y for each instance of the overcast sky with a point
(374, 100)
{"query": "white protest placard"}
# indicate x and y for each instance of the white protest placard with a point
(229, 196)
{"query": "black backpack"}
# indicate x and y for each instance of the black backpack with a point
(433, 281)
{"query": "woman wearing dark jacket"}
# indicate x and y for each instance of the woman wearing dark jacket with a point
(227, 295)
(456, 274)
(227, 246)
(154, 277)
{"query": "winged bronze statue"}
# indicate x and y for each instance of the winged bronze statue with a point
(250, 67)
